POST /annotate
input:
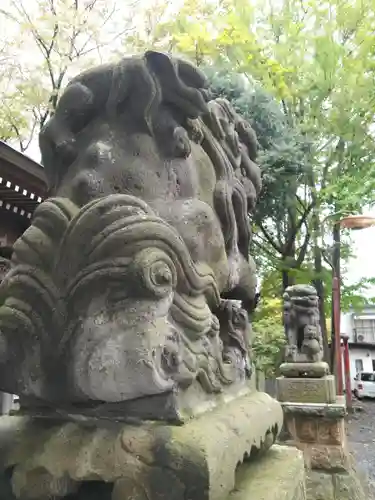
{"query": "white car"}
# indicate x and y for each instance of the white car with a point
(364, 385)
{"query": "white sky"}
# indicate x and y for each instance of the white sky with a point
(362, 266)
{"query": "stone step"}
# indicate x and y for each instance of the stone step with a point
(278, 475)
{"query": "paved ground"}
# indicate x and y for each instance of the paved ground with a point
(361, 435)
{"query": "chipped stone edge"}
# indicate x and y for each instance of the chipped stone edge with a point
(327, 410)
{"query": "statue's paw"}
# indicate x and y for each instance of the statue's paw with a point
(66, 150)
(181, 143)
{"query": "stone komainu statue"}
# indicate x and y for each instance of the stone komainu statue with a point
(301, 320)
(304, 352)
(123, 287)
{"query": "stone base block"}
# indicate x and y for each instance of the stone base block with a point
(279, 475)
(304, 369)
(319, 486)
(325, 457)
(335, 486)
(314, 429)
(319, 431)
(335, 410)
(306, 390)
(196, 461)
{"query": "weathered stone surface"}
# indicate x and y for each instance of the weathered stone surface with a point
(335, 486)
(306, 369)
(301, 319)
(306, 429)
(348, 487)
(323, 441)
(331, 431)
(39, 484)
(122, 301)
(328, 458)
(333, 410)
(306, 390)
(197, 460)
(279, 475)
(317, 429)
(318, 456)
(319, 486)
(6, 492)
(300, 493)
(290, 427)
(10, 430)
(4, 267)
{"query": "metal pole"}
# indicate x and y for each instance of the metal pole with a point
(348, 386)
(337, 339)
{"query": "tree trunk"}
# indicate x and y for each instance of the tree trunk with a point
(289, 255)
(318, 269)
(319, 285)
(288, 279)
(336, 272)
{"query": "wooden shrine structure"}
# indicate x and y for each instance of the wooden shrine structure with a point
(22, 188)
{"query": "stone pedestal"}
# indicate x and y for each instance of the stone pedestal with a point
(315, 425)
(319, 431)
(195, 461)
(306, 390)
(279, 475)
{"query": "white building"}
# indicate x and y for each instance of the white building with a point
(360, 328)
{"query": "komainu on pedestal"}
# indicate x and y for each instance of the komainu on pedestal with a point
(305, 376)
(314, 415)
(304, 352)
(129, 294)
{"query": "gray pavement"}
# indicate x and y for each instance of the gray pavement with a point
(361, 436)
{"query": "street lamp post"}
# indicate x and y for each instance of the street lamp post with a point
(352, 222)
(348, 388)
(336, 341)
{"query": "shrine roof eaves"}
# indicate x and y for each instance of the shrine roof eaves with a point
(19, 168)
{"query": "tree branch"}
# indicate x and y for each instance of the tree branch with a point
(263, 248)
(302, 220)
(338, 149)
(303, 249)
(268, 237)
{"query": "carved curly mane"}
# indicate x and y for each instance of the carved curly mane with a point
(169, 99)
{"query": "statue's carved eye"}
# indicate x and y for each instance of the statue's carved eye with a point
(162, 276)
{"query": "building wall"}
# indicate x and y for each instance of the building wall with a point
(364, 354)
(367, 331)
(346, 325)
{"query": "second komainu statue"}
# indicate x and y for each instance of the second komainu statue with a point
(304, 352)
(129, 294)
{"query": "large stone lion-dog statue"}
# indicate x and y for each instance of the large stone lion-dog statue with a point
(126, 285)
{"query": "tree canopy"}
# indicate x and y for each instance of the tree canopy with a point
(302, 72)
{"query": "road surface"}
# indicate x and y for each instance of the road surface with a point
(361, 436)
